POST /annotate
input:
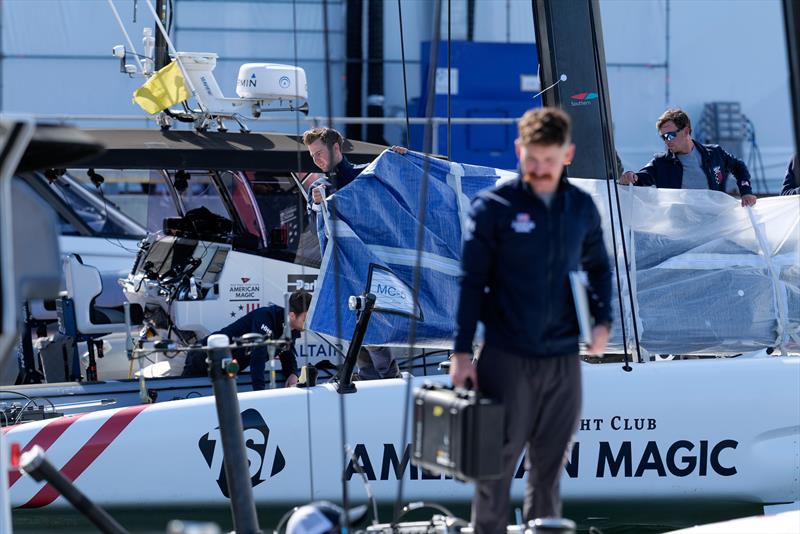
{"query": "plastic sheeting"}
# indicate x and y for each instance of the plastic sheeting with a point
(707, 276)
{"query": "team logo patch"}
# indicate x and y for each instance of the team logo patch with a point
(718, 175)
(259, 454)
(523, 223)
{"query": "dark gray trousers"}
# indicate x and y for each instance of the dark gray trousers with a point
(542, 401)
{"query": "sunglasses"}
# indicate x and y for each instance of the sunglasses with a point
(669, 136)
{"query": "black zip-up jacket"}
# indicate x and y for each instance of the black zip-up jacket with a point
(516, 261)
(267, 321)
(665, 170)
(344, 173)
(790, 184)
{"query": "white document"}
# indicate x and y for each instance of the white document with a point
(580, 284)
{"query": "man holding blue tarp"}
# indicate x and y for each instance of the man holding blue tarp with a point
(523, 239)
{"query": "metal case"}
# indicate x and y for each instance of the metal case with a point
(458, 433)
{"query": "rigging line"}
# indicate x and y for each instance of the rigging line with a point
(405, 82)
(423, 202)
(333, 242)
(607, 142)
(616, 272)
(302, 230)
(449, 74)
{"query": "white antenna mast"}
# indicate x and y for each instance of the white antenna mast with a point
(121, 53)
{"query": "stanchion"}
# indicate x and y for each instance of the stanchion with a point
(222, 369)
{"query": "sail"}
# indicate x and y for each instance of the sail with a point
(707, 276)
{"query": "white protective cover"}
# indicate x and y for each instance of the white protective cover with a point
(708, 276)
(271, 81)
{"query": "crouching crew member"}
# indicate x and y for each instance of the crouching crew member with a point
(523, 239)
(267, 321)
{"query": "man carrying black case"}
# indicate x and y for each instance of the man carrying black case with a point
(523, 239)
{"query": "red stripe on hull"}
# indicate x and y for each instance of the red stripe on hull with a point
(82, 459)
(44, 438)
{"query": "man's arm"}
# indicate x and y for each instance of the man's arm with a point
(476, 262)
(594, 260)
(645, 177)
(476, 265)
(289, 366)
(739, 170)
(790, 184)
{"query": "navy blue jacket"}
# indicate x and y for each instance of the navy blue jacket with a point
(666, 172)
(267, 321)
(344, 173)
(790, 184)
(516, 261)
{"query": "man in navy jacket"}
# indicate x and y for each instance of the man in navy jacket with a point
(325, 147)
(688, 164)
(269, 322)
(523, 239)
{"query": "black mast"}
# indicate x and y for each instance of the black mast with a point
(161, 53)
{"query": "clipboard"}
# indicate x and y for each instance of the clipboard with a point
(579, 282)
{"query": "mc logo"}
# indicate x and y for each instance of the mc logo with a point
(256, 441)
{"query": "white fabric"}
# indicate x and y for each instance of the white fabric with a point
(708, 275)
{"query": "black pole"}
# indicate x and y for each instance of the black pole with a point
(405, 81)
(36, 464)
(355, 66)
(344, 380)
(375, 96)
(221, 371)
(470, 20)
(791, 15)
(161, 53)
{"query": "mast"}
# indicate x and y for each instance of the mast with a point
(161, 54)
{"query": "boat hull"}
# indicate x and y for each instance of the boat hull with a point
(703, 430)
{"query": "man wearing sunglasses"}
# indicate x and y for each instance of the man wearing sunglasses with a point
(688, 164)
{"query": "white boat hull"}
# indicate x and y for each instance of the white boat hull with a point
(703, 430)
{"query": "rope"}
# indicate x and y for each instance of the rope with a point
(423, 202)
(335, 257)
(405, 82)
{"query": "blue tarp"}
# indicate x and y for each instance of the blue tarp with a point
(375, 236)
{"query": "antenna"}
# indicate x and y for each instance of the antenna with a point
(562, 78)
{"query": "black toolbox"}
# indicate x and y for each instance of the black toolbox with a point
(458, 433)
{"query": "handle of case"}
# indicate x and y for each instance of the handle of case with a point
(468, 385)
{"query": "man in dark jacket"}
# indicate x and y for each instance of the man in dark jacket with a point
(325, 147)
(688, 164)
(269, 322)
(791, 185)
(523, 239)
